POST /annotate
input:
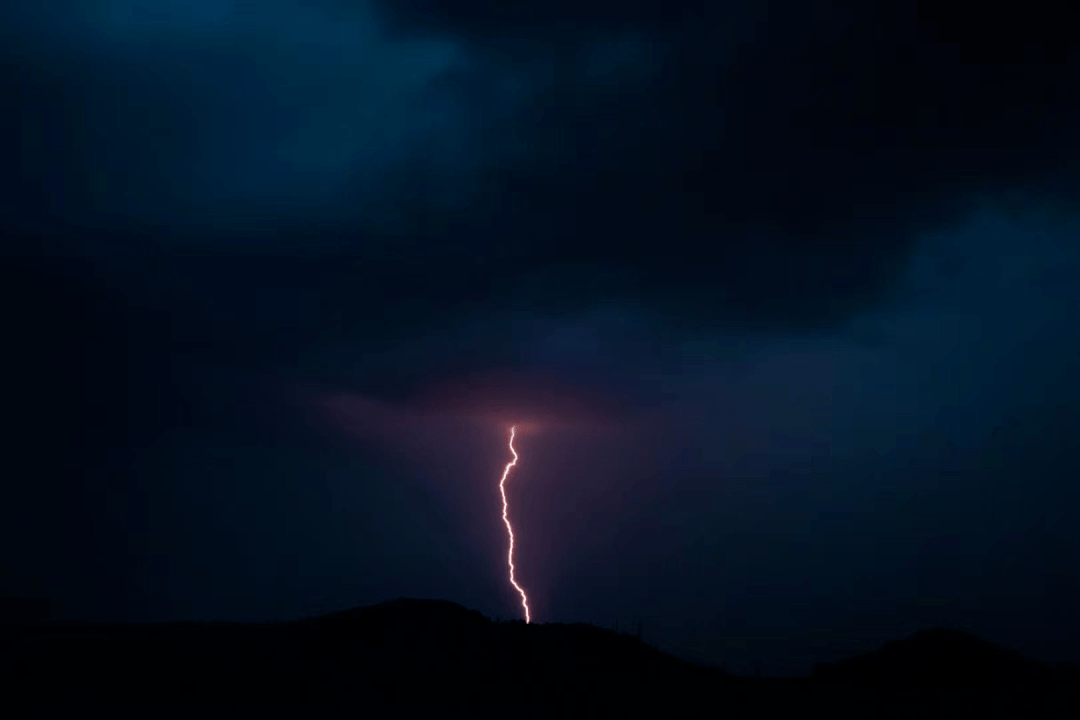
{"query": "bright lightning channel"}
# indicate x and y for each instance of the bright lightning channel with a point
(510, 530)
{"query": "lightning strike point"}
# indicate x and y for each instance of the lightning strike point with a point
(510, 530)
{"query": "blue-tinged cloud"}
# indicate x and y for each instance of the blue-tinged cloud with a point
(216, 118)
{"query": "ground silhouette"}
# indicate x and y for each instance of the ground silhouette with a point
(424, 656)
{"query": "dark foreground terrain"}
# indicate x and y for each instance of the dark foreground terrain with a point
(438, 658)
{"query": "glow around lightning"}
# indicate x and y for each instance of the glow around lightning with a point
(510, 530)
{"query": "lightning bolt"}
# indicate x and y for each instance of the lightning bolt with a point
(510, 530)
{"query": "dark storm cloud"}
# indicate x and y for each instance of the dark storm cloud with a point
(533, 400)
(223, 190)
(763, 167)
(317, 181)
(181, 119)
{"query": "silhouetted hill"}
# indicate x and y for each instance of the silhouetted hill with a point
(938, 658)
(403, 655)
(410, 656)
(956, 674)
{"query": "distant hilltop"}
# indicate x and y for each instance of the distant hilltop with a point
(437, 657)
(937, 657)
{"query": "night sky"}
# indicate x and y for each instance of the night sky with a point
(781, 296)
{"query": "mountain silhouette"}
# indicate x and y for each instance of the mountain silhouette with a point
(939, 657)
(430, 656)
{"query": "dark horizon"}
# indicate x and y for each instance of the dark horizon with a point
(32, 622)
(780, 296)
(412, 655)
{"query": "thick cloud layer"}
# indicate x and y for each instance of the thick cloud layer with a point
(783, 157)
(760, 167)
